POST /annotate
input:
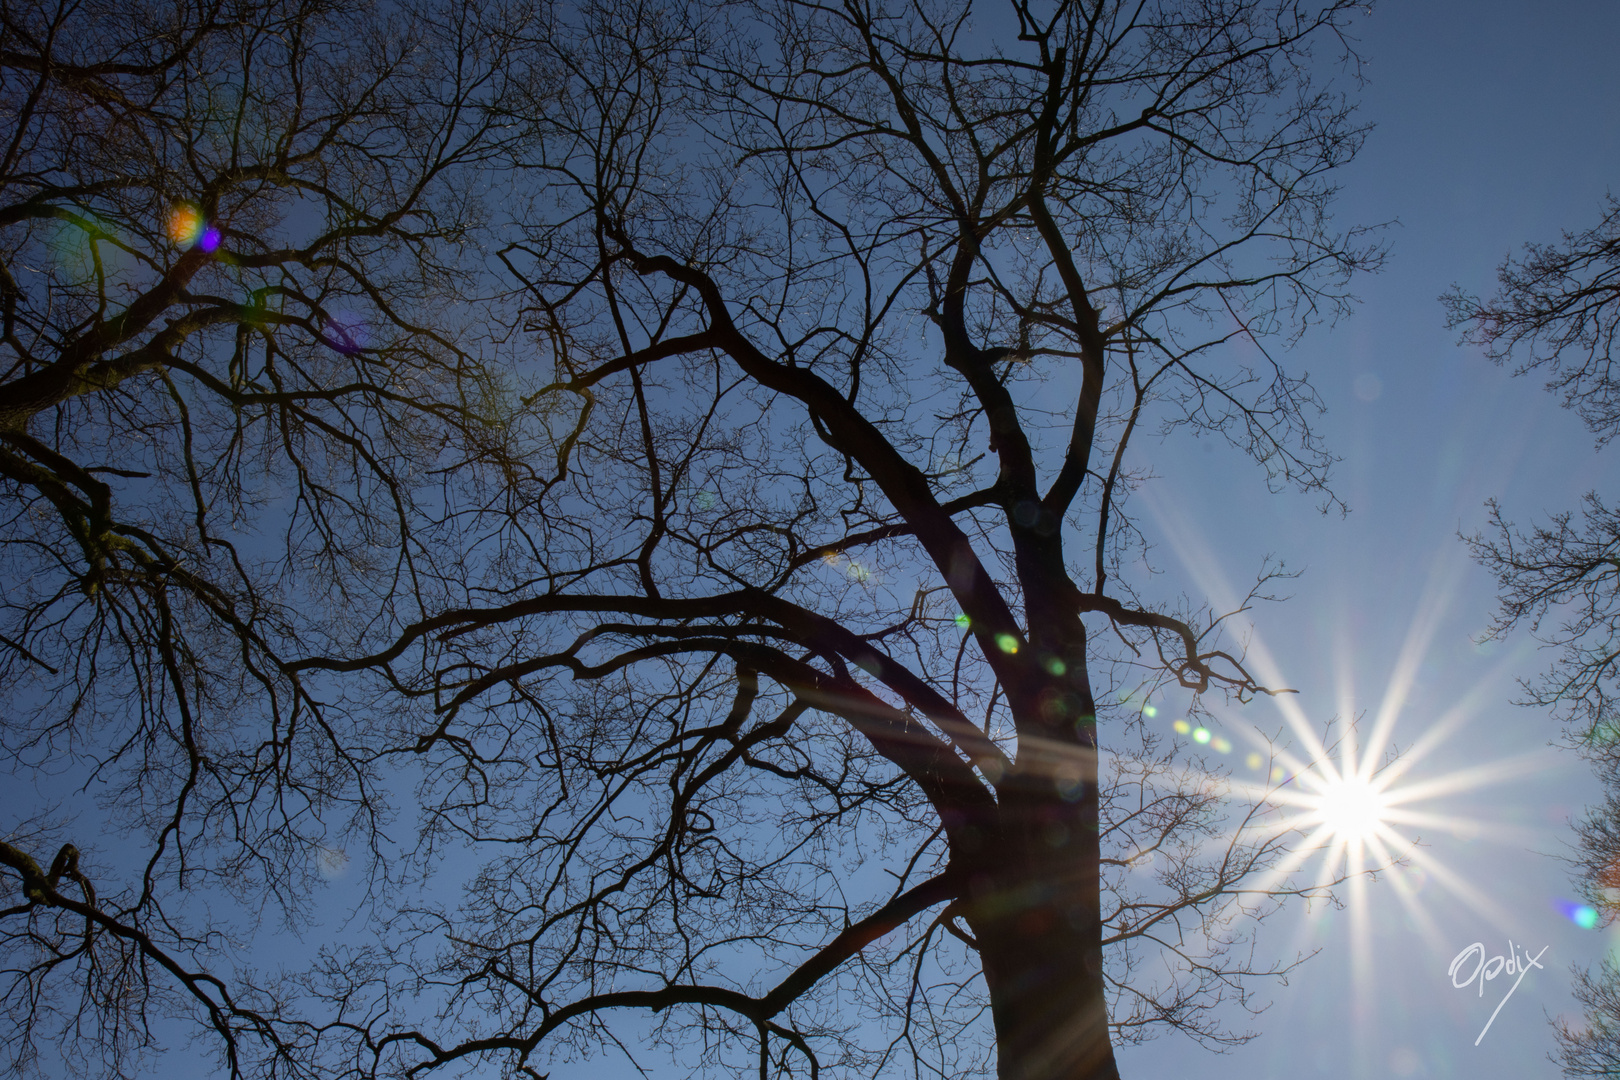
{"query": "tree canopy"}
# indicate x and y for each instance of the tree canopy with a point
(631, 501)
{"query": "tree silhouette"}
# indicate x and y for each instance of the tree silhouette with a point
(1556, 309)
(680, 456)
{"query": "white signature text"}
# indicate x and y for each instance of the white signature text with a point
(1485, 970)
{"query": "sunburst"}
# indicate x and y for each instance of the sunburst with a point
(1360, 804)
(1357, 799)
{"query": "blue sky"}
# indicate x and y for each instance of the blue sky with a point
(1496, 124)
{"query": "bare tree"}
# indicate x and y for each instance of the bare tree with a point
(682, 452)
(234, 238)
(1557, 308)
(1593, 1048)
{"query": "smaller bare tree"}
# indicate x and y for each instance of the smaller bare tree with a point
(1556, 310)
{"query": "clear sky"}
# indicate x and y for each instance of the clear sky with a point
(1497, 122)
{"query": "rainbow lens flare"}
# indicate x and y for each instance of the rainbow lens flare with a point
(187, 228)
(1584, 916)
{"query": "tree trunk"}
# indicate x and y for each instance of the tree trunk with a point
(1035, 913)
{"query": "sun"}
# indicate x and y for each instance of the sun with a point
(1354, 810)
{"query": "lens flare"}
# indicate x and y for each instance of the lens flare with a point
(1584, 916)
(185, 225)
(187, 229)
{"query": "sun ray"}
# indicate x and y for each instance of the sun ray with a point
(1481, 903)
(1440, 587)
(1429, 930)
(1465, 826)
(1205, 570)
(1290, 863)
(1476, 776)
(1450, 722)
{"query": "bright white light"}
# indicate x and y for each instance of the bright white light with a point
(1351, 808)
